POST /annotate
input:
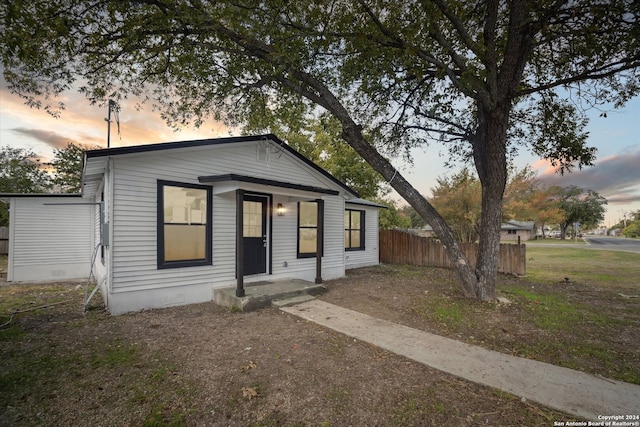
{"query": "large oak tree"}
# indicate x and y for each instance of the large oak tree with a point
(482, 77)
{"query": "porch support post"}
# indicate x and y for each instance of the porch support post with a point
(239, 243)
(320, 241)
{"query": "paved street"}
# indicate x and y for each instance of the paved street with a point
(603, 243)
(612, 243)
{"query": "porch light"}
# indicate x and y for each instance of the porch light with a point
(280, 209)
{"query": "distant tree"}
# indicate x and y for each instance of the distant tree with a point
(579, 205)
(67, 166)
(459, 201)
(545, 203)
(414, 218)
(518, 195)
(20, 172)
(526, 199)
(391, 217)
(632, 229)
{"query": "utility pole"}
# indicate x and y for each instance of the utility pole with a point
(112, 106)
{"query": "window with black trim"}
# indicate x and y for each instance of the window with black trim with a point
(184, 225)
(353, 230)
(307, 229)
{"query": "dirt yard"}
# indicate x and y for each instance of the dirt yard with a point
(203, 365)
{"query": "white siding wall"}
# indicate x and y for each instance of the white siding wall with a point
(369, 256)
(51, 238)
(134, 225)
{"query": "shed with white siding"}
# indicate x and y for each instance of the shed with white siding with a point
(50, 236)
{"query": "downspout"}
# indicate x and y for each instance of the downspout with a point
(12, 238)
(109, 198)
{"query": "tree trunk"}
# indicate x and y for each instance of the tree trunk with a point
(489, 152)
(465, 271)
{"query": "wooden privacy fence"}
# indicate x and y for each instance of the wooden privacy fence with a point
(400, 247)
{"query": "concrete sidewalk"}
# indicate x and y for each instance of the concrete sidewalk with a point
(570, 391)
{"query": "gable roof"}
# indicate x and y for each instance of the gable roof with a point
(93, 157)
(518, 225)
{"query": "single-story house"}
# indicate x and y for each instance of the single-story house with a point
(511, 230)
(165, 224)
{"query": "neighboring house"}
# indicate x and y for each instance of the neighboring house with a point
(511, 230)
(171, 222)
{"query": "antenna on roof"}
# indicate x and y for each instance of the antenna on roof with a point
(113, 107)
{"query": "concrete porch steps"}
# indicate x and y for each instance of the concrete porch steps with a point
(289, 301)
(281, 293)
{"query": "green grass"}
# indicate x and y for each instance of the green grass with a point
(552, 312)
(117, 353)
(453, 313)
(554, 241)
(552, 265)
(567, 324)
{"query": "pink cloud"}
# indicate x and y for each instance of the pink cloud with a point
(615, 177)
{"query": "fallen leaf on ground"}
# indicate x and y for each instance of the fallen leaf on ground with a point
(249, 392)
(248, 366)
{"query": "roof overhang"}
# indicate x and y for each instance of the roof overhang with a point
(5, 197)
(231, 182)
(94, 170)
(365, 202)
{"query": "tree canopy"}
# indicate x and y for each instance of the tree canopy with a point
(67, 166)
(585, 207)
(458, 199)
(485, 78)
(20, 172)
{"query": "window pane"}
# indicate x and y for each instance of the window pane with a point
(184, 205)
(355, 220)
(184, 221)
(355, 239)
(308, 240)
(353, 225)
(308, 214)
(252, 217)
(184, 242)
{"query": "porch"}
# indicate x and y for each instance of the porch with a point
(264, 294)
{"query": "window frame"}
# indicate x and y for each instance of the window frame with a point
(316, 227)
(347, 228)
(208, 259)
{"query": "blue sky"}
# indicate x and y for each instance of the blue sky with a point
(616, 174)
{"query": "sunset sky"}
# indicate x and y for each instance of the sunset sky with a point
(616, 174)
